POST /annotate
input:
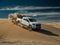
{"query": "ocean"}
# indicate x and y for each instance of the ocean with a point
(42, 10)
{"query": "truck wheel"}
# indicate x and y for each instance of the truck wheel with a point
(18, 21)
(30, 27)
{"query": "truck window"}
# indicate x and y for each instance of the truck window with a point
(32, 20)
(26, 20)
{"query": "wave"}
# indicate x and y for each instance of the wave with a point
(46, 15)
(27, 8)
(39, 13)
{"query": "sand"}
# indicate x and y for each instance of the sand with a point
(11, 32)
(54, 24)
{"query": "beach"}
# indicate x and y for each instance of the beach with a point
(12, 34)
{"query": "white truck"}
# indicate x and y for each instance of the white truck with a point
(29, 22)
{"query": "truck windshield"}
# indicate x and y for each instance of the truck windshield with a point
(32, 20)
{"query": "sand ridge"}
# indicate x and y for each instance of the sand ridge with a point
(10, 31)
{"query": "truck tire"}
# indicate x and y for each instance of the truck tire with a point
(30, 28)
(18, 21)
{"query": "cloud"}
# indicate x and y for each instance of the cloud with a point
(26, 8)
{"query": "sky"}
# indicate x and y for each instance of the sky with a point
(4, 3)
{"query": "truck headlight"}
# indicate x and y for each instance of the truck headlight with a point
(33, 24)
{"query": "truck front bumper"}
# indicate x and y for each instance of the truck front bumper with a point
(38, 26)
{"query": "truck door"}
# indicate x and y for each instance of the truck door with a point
(25, 22)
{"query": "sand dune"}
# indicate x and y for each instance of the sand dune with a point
(12, 32)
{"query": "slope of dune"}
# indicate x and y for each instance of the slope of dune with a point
(12, 32)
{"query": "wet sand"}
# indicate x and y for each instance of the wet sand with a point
(12, 32)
